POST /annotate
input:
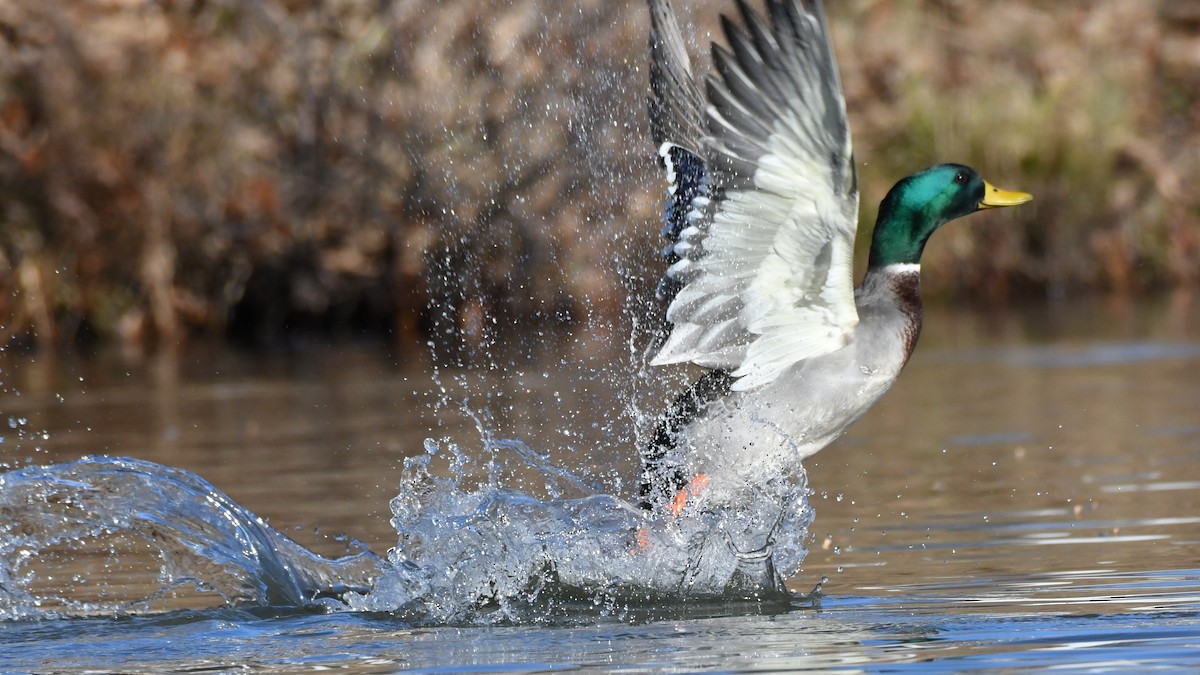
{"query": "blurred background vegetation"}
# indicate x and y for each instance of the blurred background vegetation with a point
(280, 169)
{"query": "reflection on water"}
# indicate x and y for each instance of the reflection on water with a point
(993, 454)
(848, 634)
(1027, 468)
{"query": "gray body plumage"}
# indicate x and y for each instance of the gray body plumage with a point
(748, 438)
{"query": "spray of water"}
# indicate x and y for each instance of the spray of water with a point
(113, 535)
(488, 529)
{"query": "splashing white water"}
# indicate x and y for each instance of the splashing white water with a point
(493, 553)
(465, 554)
(105, 535)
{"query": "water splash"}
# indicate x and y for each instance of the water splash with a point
(494, 533)
(104, 536)
(107, 535)
(491, 553)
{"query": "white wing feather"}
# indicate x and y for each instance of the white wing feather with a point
(771, 284)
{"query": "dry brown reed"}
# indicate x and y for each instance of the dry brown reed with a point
(254, 169)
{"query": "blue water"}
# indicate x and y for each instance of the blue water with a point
(850, 633)
(1008, 506)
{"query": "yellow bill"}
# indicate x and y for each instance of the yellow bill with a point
(994, 197)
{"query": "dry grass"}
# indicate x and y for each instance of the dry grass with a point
(254, 169)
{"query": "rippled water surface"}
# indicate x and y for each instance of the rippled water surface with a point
(1027, 495)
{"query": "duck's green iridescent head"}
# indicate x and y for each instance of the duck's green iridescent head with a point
(923, 202)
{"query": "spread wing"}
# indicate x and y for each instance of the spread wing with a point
(763, 204)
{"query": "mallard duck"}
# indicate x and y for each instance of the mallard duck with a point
(761, 215)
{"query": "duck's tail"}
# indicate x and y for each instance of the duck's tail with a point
(664, 469)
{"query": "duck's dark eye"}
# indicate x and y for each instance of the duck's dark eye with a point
(960, 178)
